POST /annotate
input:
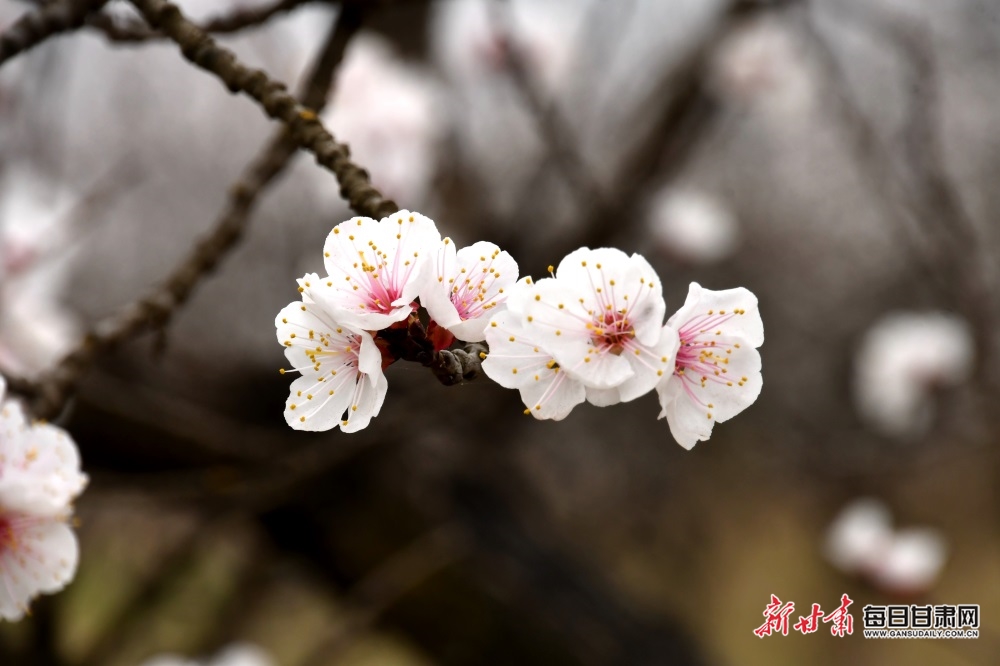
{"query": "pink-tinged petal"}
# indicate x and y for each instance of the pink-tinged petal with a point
(610, 281)
(555, 317)
(732, 314)
(376, 269)
(467, 286)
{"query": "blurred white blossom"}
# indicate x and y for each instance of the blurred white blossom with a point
(861, 541)
(902, 359)
(389, 113)
(36, 329)
(39, 479)
(859, 536)
(236, 654)
(717, 370)
(765, 64)
(692, 225)
(912, 562)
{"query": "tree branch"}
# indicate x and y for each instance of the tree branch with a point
(303, 123)
(239, 19)
(38, 25)
(155, 309)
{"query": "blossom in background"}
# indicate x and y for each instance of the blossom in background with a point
(390, 113)
(375, 269)
(861, 541)
(341, 383)
(39, 479)
(912, 562)
(237, 654)
(466, 286)
(692, 225)
(717, 370)
(601, 318)
(903, 358)
(859, 536)
(36, 329)
(518, 361)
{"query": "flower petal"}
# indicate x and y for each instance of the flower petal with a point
(43, 560)
(734, 312)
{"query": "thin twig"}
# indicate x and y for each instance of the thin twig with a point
(39, 24)
(154, 310)
(236, 20)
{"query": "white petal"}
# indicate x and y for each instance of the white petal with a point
(39, 471)
(553, 396)
(42, 559)
(366, 405)
(435, 294)
(650, 364)
(515, 357)
(687, 424)
(912, 562)
(369, 358)
(329, 398)
(603, 397)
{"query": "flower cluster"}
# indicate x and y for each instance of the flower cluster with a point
(376, 270)
(39, 479)
(594, 331)
(862, 542)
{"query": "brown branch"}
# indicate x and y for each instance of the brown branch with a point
(154, 311)
(38, 25)
(303, 123)
(234, 21)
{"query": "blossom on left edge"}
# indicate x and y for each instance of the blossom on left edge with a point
(39, 478)
(342, 384)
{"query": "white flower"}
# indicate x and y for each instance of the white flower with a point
(39, 477)
(859, 536)
(342, 384)
(911, 562)
(902, 359)
(717, 372)
(376, 269)
(465, 287)
(601, 319)
(517, 361)
(237, 654)
(692, 225)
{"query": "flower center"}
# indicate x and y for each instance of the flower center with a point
(612, 332)
(8, 537)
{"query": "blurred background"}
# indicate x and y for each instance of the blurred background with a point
(839, 158)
